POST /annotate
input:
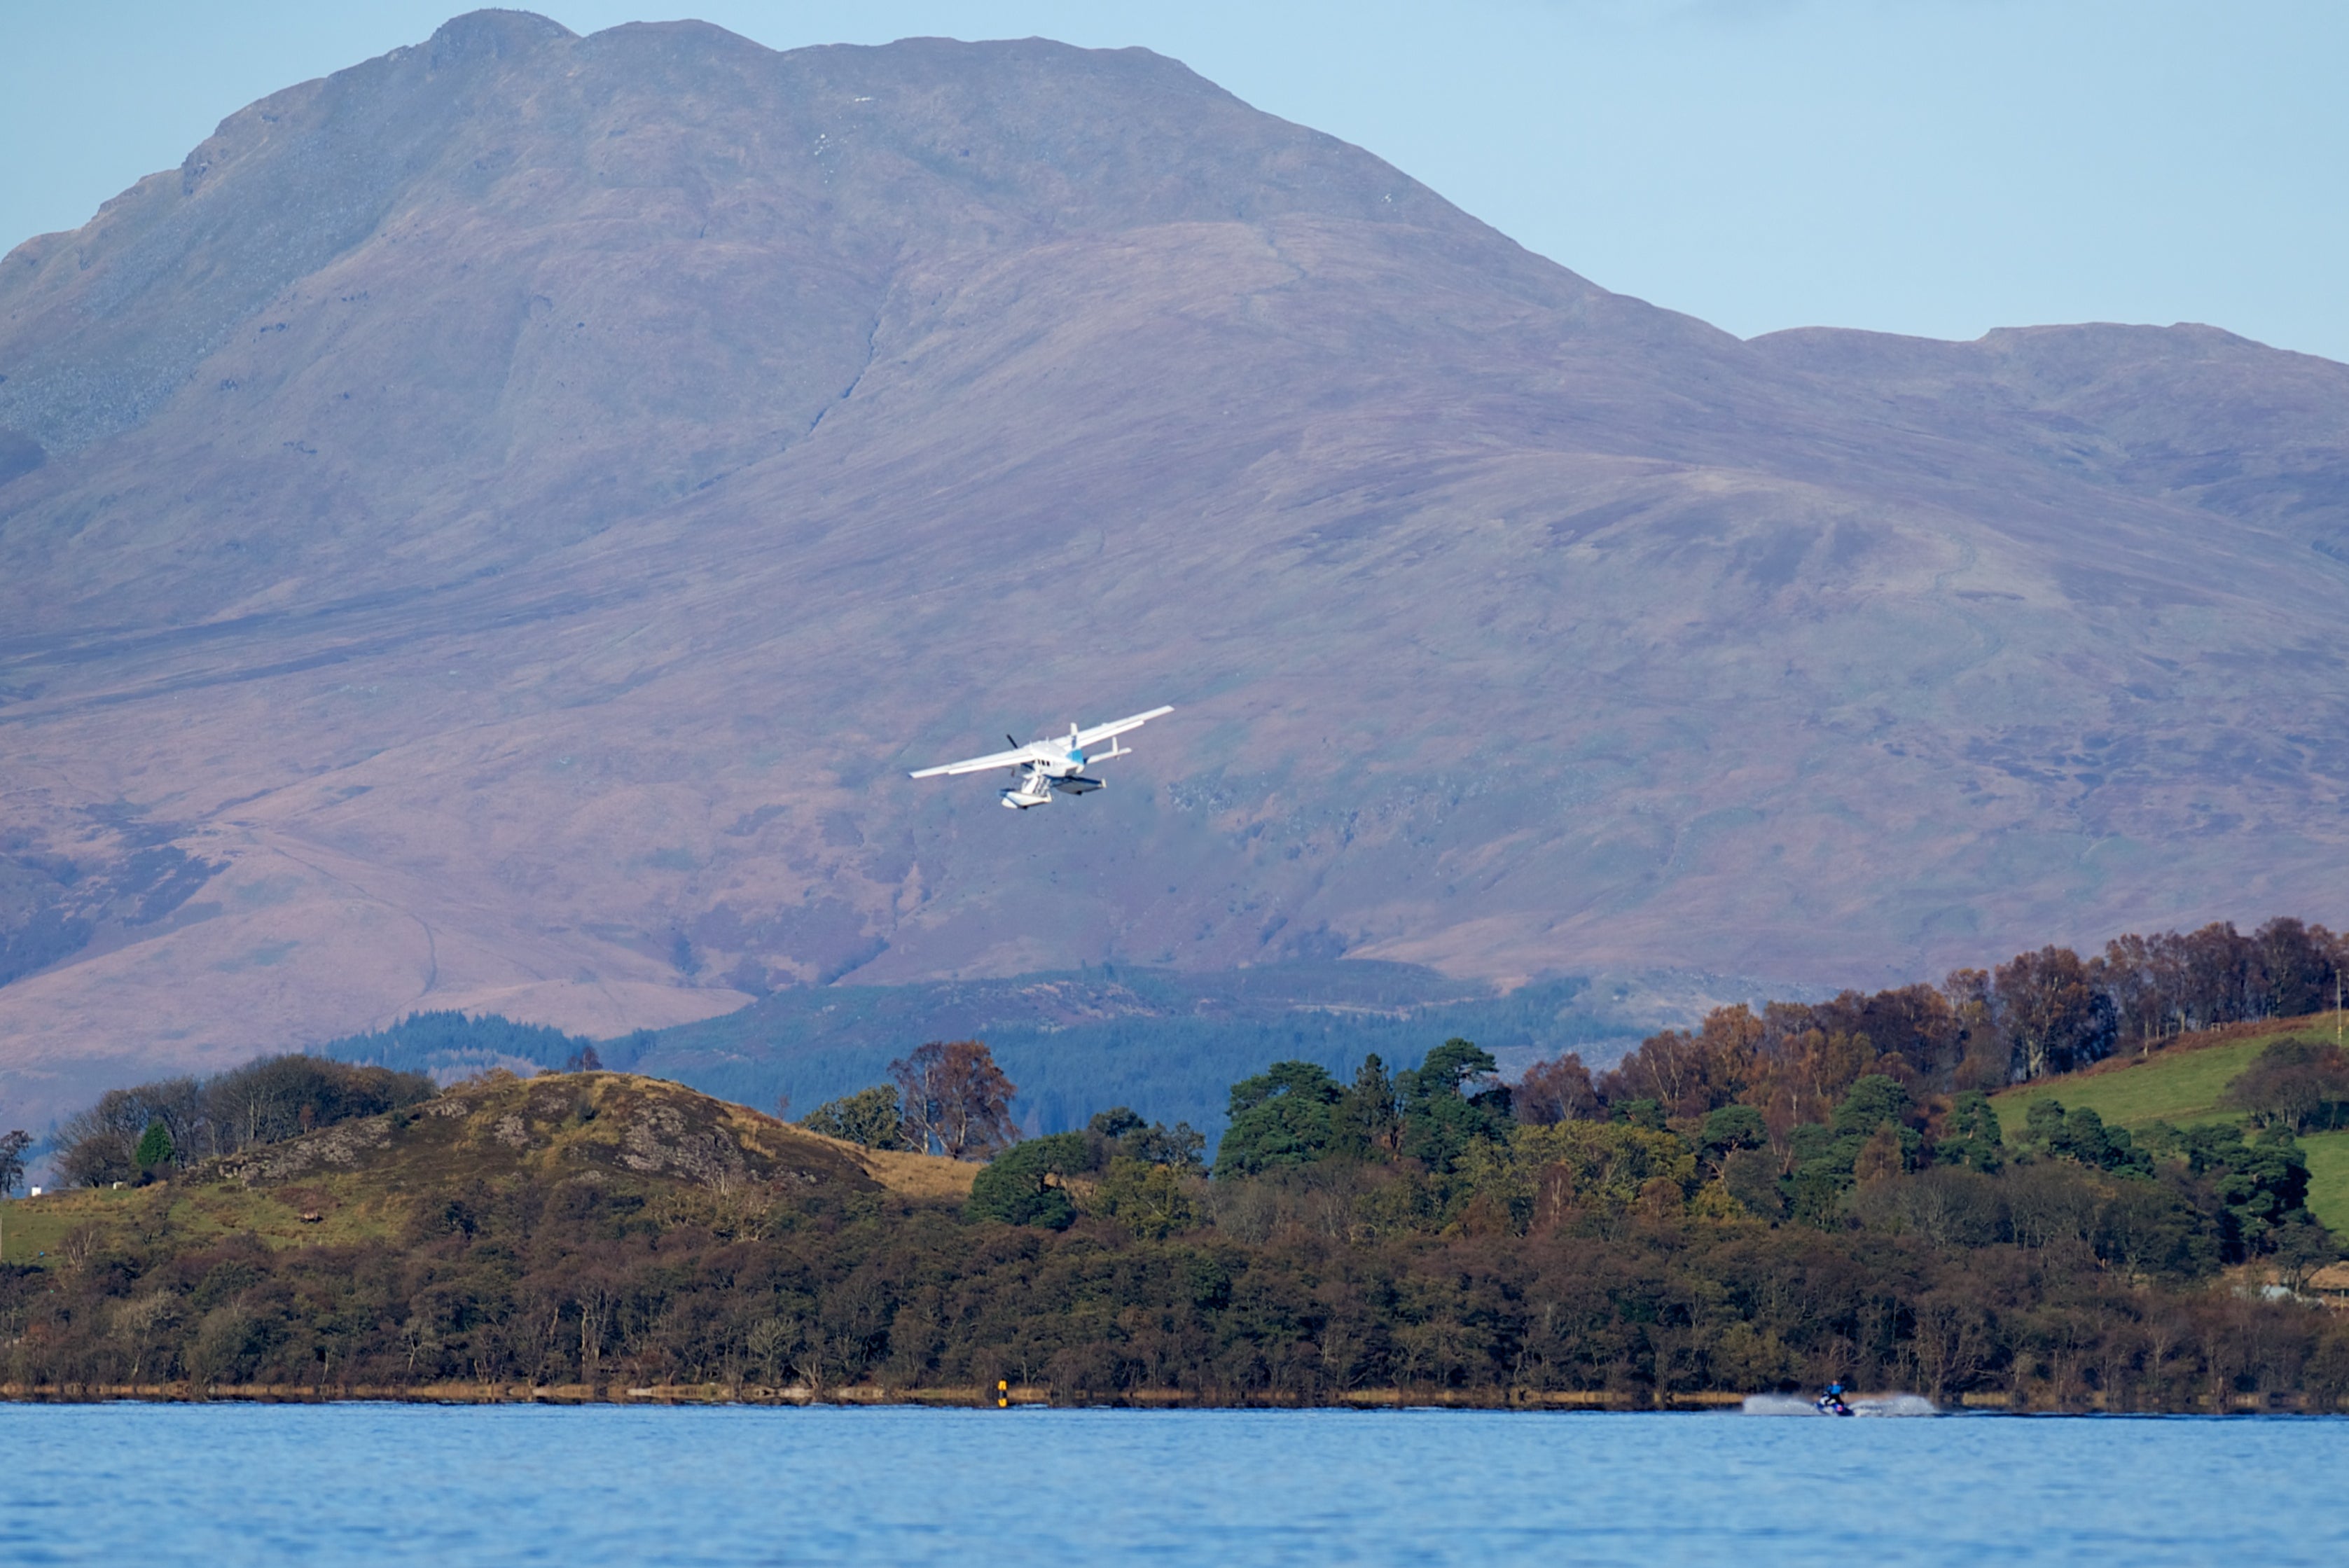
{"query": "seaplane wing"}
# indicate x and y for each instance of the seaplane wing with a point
(1019, 758)
(1053, 766)
(1100, 732)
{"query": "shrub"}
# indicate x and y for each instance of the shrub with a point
(870, 1117)
(1023, 1185)
(2301, 1085)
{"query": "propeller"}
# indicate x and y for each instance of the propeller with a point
(1015, 745)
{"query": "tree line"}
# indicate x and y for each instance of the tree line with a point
(2042, 1012)
(1441, 1147)
(1401, 1230)
(154, 1129)
(1769, 1199)
(1444, 1144)
(2039, 1015)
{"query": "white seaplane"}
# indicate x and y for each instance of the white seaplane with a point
(1057, 763)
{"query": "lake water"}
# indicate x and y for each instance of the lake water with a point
(133, 1484)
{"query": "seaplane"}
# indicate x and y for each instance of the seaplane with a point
(1055, 765)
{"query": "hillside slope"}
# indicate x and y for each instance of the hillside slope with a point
(492, 529)
(2183, 1085)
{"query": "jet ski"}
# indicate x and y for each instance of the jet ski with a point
(1836, 1402)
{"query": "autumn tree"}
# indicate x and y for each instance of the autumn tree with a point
(1914, 1029)
(2296, 967)
(1554, 1091)
(2221, 973)
(2054, 1016)
(275, 1097)
(955, 1099)
(1688, 1075)
(1984, 1063)
(1803, 1070)
(2133, 970)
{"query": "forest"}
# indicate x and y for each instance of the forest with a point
(1172, 1043)
(1770, 1201)
(1411, 1233)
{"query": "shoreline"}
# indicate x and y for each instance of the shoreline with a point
(1028, 1397)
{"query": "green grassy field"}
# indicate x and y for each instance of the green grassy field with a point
(31, 1227)
(2182, 1087)
(2328, 1179)
(36, 1230)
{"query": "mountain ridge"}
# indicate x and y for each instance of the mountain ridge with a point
(530, 605)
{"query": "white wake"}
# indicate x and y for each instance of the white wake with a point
(1861, 1405)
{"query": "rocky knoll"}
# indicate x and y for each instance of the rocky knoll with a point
(492, 528)
(610, 1149)
(598, 1125)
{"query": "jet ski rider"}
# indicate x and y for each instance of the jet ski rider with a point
(1831, 1403)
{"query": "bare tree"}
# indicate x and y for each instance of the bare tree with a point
(2056, 1018)
(99, 1145)
(956, 1098)
(265, 1101)
(2296, 969)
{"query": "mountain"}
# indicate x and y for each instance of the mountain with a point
(491, 530)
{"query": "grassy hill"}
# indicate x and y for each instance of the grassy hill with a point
(635, 1143)
(2182, 1085)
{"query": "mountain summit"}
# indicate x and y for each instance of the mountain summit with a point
(492, 527)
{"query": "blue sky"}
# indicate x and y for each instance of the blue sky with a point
(1939, 167)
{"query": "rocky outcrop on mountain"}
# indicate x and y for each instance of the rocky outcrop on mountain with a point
(506, 516)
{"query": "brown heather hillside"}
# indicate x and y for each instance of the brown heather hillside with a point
(491, 530)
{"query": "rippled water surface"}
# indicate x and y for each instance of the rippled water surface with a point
(129, 1484)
